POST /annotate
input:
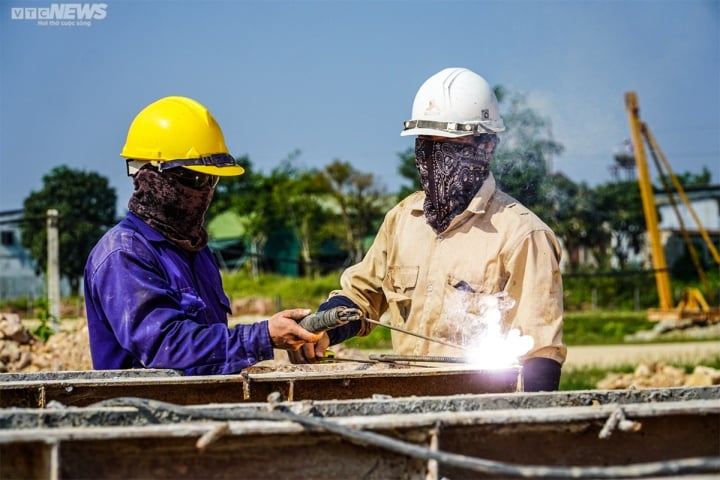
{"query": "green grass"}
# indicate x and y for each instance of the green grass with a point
(287, 292)
(603, 327)
(379, 339)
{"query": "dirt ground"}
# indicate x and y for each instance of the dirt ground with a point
(613, 355)
(21, 351)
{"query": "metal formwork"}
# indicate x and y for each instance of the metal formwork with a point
(604, 434)
(303, 382)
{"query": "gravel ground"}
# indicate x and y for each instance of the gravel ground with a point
(670, 353)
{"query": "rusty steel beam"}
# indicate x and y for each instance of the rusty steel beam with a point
(312, 382)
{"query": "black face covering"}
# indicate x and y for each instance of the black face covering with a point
(166, 202)
(451, 173)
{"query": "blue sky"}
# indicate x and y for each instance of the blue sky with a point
(335, 79)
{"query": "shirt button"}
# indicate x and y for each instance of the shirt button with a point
(429, 288)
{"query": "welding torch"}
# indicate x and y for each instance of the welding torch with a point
(338, 316)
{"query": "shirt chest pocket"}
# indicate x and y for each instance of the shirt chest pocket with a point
(193, 306)
(399, 289)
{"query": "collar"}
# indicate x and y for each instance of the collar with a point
(477, 205)
(146, 230)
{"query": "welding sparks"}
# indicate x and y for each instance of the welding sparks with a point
(476, 322)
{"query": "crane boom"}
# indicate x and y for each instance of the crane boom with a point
(662, 277)
(693, 305)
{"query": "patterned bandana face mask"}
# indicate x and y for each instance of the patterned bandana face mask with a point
(451, 173)
(165, 202)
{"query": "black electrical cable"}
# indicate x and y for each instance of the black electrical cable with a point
(695, 465)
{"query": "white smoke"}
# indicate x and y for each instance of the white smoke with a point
(476, 323)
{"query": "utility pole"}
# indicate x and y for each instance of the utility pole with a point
(53, 269)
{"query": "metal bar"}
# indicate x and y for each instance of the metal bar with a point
(414, 334)
(306, 382)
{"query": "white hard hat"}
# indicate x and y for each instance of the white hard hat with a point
(454, 102)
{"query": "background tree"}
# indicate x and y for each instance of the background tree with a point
(408, 171)
(234, 193)
(86, 204)
(289, 199)
(297, 203)
(571, 215)
(250, 195)
(360, 202)
(622, 210)
(688, 179)
(520, 161)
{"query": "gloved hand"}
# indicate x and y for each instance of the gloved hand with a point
(310, 352)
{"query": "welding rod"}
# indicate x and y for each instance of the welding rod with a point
(414, 334)
(338, 316)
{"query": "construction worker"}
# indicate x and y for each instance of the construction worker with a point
(153, 290)
(460, 236)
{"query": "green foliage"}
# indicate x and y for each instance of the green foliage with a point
(360, 203)
(408, 170)
(519, 163)
(623, 215)
(43, 331)
(236, 193)
(689, 179)
(379, 339)
(602, 327)
(337, 205)
(86, 204)
(287, 292)
(628, 290)
(612, 291)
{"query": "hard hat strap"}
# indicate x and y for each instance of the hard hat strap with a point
(215, 160)
(453, 127)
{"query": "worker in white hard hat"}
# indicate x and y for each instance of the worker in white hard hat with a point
(457, 243)
(153, 290)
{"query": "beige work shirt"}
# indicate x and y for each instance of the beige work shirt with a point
(417, 276)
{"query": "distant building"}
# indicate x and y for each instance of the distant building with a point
(17, 270)
(705, 202)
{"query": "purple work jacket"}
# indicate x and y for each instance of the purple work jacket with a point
(151, 304)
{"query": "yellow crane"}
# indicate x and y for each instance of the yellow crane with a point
(693, 305)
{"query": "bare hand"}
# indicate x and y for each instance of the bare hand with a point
(310, 352)
(285, 333)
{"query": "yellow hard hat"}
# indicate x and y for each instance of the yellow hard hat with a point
(178, 132)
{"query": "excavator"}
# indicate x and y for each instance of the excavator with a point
(693, 306)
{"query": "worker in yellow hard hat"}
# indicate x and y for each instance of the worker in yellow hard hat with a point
(153, 290)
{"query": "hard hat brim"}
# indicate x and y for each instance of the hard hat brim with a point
(433, 133)
(231, 171)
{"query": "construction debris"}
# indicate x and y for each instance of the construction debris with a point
(659, 375)
(21, 351)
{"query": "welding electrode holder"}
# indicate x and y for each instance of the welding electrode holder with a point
(328, 319)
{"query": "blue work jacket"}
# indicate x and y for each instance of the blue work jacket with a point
(151, 304)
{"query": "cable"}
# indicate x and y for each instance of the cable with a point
(365, 438)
